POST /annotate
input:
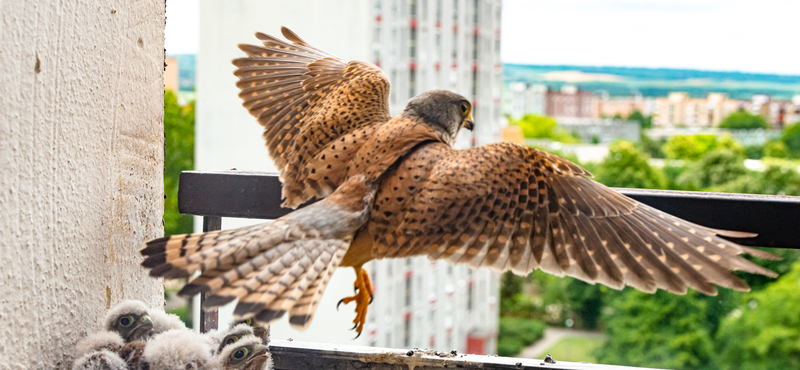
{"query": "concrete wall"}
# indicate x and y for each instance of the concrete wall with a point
(81, 168)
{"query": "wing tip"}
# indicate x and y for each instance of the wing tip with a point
(291, 36)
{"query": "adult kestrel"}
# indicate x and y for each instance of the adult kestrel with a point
(395, 187)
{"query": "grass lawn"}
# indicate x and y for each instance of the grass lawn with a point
(574, 349)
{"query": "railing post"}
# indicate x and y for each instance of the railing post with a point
(209, 319)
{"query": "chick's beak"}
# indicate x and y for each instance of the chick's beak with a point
(469, 124)
(145, 324)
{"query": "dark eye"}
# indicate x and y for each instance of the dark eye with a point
(230, 340)
(189, 366)
(464, 108)
(126, 321)
(240, 354)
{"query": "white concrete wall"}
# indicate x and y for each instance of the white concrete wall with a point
(81, 168)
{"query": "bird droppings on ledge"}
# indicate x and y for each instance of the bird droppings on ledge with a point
(413, 358)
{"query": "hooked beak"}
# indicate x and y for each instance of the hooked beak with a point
(143, 327)
(260, 356)
(469, 124)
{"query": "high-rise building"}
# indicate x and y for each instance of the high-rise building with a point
(443, 44)
(421, 45)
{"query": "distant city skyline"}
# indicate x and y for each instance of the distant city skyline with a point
(715, 35)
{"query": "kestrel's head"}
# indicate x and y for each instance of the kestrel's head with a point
(444, 110)
(246, 354)
(130, 320)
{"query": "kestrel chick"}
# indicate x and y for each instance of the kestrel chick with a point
(132, 353)
(260, 329)
(246, 354)
(395, 187)
(163, 321)
(232, 335)
(102, 340)
(130, 319)
(178, 350)
(99, 360)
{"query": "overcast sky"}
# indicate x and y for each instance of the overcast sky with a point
(723, 35)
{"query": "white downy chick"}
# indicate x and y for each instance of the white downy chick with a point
(178, 350)
(100, 360)
(248, 353)
(108, 340)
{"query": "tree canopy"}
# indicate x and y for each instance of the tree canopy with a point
(179, 156)
(541, 127)
(743, 120)
(626, 166)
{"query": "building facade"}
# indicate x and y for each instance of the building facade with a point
(443, 44)
(678, 109)
(570, 102)
(420, 45)
(527, 99)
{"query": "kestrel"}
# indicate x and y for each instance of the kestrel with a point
(395, 187)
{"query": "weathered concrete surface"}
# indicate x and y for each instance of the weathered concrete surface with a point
(81, 168)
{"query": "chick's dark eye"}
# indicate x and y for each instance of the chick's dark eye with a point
(230, 340)
(240, 354)
(125, 321)
(464, 107)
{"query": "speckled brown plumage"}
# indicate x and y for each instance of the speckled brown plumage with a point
(315, 109)
(396, 188)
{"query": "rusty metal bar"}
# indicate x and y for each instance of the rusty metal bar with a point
(209, 319)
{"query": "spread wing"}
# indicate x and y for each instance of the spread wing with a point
(515, 208)
(307, 99)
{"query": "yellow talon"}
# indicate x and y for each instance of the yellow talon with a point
(363, 298)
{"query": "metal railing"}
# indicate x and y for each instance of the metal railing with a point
(245, 194)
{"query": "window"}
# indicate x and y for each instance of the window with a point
(412, 83)
(469, 296)
(408, 293)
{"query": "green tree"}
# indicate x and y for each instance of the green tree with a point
(791, 137)
(626, 166)
(688, 147)
(764, 332)
(644, 121)
(540, 127)
(179, 132)
(716, 167)
(775, 180)
(742, 120)
(656, 330)
(776, 149)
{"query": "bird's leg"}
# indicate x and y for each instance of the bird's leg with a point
(363, 298)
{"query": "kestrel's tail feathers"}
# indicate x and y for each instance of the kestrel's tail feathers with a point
(270, 268)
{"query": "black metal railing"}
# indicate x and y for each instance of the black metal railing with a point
(245, 194)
